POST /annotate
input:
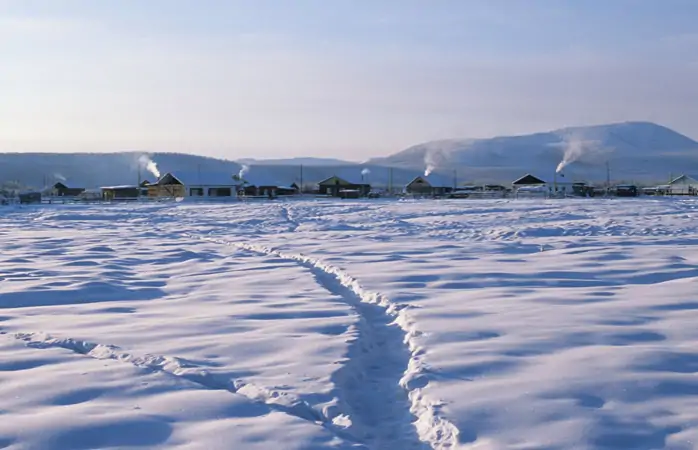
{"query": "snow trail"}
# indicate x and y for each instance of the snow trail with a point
(380, 386)
(283, 402)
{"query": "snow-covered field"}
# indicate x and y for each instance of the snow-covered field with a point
(355, 324)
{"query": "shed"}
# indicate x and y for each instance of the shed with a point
(626, 190)
(29, 197)
(120, 193)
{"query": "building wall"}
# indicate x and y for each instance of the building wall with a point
(124, 193)
(687, 186)
(194, 191)
(169, 190)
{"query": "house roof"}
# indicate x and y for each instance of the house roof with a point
(431, 180)
(685, 178)
(528, 180)
(351, 181)
(206, 178)
(421, 179)
(197, 178)
(123, 186)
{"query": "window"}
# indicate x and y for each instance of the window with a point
(196, 192)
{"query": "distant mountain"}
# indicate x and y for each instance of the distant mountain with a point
(639, 151)
(634, 151)
(314, 162)
(93, 170)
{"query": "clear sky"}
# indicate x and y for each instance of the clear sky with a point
(335, 78)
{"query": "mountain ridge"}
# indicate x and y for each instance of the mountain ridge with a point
(634, 151)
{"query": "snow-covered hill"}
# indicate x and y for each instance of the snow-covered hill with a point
(634, 151)
(306, 161)
(92, 170)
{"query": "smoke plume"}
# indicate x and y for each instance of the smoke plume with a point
(365, 172)
(432, 157)
(149, 165)
(243, 171)
(574, 147)
(59, 177)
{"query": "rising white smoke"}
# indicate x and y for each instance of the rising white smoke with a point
(365, 172)
(433, 156)
(149, 165)
(574, 147)
(59, 177)
(243, 170)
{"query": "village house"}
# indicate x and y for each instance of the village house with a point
(216, 185)
(252, 185)
(426, 186)
(194, 184)
(339, 187)
(684, 185)
(61, 190)
(529, 185)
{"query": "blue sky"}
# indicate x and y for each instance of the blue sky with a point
(351, 79)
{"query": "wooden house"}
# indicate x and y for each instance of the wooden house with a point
(258, 186)
(61, 190)
(194, 184)
(335, 186)
(426, 186)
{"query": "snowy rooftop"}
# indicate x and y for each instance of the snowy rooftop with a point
(209, 178)
(122, 186)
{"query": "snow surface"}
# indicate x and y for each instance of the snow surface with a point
(486, 324)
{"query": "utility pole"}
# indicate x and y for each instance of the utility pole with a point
(608, 178)
(301, 186)
(390, 180)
